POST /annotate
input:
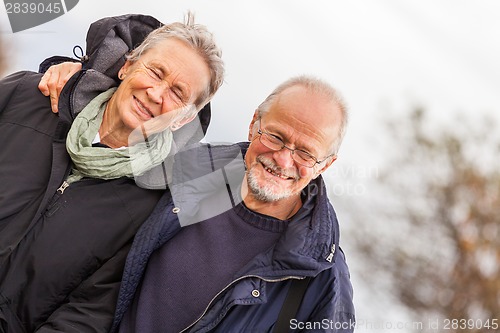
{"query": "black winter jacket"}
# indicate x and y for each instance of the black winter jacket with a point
(61, 250)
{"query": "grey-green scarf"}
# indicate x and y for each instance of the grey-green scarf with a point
(107, 163)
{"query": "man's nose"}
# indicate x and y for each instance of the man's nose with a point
(283, 157)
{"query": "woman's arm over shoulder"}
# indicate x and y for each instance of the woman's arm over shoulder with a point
(54, 79)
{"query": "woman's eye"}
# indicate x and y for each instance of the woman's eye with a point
(154, 73)
(178, 94)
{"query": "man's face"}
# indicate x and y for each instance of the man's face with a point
(302, 120)
(165, 79)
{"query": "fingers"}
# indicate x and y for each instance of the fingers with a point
(48, 87)
(55, 78)
(43, 86)
(54, 97)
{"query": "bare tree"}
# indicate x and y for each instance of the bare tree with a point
(436, 235)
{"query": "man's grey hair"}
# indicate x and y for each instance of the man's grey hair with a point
(317, 86)
(200, 39)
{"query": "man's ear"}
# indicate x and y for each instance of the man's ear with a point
(252, 128)
(326, 165)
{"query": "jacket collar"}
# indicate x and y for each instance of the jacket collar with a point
(304, 249)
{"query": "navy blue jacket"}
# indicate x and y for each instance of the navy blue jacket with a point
(251, 303)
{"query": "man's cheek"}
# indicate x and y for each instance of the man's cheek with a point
(304, 171)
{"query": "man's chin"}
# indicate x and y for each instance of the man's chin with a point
(267, 187)
(268, 193)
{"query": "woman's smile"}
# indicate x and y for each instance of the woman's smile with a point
(143, 111)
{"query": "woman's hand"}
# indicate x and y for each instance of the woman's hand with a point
(54, 80)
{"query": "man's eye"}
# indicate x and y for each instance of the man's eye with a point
(275, 138)
(305, 155)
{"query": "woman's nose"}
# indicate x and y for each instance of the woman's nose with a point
(155, 93)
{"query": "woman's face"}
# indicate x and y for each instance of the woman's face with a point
(166, 79)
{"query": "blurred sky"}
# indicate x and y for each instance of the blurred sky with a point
(385, 56)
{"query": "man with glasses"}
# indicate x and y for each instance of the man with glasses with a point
(232, 271)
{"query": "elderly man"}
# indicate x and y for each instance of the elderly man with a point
(230, 270)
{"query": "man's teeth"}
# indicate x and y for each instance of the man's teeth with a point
(274, 173)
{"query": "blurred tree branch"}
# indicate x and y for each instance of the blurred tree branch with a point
(439, 244)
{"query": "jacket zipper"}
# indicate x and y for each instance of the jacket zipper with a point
(332, 252)
(72, 115)
(329, 258)
(63, 187)
(53, 207)
(233, 282)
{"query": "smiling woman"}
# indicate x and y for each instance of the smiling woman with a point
(169, 77)
(70, 206)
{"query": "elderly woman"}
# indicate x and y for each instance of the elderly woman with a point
(69, 205)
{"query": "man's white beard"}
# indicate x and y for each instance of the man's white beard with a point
(267, 193)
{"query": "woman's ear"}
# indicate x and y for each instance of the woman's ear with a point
(253, 125)
(122, 73)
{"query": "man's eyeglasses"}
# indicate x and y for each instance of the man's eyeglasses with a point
(300, 156)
